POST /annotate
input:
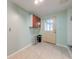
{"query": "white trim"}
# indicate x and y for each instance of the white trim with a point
(70, 53)
(20, 50)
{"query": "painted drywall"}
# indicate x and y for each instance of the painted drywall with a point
(61, 26)
(18, 23)
(69, 26)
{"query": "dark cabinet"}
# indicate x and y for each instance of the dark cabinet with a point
(39, 38)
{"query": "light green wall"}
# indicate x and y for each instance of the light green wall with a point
(19, 21)
(69, 26)
(61, 26)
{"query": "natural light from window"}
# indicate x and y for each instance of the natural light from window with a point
(49, 25)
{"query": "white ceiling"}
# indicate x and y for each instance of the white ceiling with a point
(45, 8)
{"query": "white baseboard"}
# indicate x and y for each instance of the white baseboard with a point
(20, 50)
(66, 48)
(62, 45)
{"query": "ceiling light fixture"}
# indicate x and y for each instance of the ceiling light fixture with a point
(36, 1)
(41, 0)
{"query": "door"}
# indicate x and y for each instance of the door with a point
(49, 34)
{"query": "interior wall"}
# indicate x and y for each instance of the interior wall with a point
(69, 26)
(18, 33)
(61, 26)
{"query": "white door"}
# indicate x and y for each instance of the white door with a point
(49, 34)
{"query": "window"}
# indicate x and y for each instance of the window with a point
(49, 25)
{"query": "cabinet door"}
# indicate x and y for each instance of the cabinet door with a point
(36, 21)
(39, 22)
